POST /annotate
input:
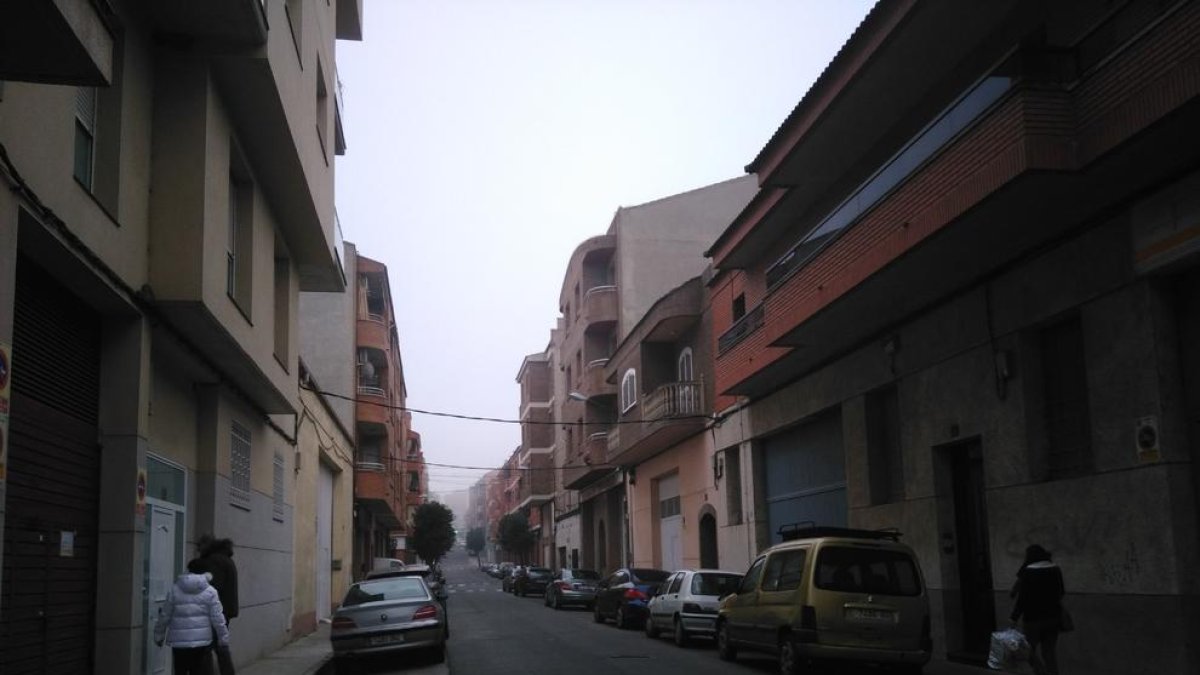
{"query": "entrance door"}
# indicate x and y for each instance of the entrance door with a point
(324, 561)
(708, 542)
(670, 523)
(977, 601)
(160, 575)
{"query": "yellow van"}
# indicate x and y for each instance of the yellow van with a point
(831, 594)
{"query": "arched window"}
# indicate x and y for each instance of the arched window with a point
(628, 390)
(683, 366)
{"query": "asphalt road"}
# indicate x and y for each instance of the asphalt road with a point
(494, 633)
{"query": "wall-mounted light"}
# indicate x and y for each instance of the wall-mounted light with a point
(577, 396)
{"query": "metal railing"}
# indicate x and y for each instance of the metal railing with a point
(739, 330)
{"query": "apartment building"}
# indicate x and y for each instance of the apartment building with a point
(169, 191)
(535, 460)
(964, 304)
(611, 282)
(387, 484)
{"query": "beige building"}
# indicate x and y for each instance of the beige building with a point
(169, 191)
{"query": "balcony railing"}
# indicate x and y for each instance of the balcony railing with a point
(739, 330)
(676, 399)
(614, 440)
(363, 465)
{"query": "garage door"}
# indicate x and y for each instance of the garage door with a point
(48, 603)
(805, 475)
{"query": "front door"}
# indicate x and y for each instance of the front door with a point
(670, 524)
(324, 561)
(160, 576)
(977, 600)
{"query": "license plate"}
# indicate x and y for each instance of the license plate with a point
(386, 639)
(872, 615)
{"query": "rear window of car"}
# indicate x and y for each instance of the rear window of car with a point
(539, 572)
(866, 570)
(650, 576)
(708, 583)
(396, 588)
(584, 574)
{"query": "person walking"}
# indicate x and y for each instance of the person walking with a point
(1039, 592)
(190, 620)
(216, 558)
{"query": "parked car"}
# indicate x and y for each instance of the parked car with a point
(572, 586)
(831, 594)
(506, 582)
(492, 570)
(686, 604)
(503, 570)
(531, 580)
(430, 575)
(385, 615)
(388, 564)
(623, 595)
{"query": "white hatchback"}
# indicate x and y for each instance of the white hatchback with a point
(686, 603)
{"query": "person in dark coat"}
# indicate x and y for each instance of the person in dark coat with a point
(216, 558)
(1039, 592)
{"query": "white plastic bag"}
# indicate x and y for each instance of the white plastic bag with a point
(1009, 652)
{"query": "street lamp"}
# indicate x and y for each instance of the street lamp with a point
(577, 396)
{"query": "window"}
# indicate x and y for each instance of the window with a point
(322, 109)
(85, 134)
(239, 247)
(668, 507)
(733, 485)
(369, 450)
(628, 390)
(784, 571)
(683, 365)
(277, 489)
(739, 307)
(861, 570)
(750, 581)
(720, 585)
(1064, 382)
(283, 305)
(239, 466)
(884, 455)
(675, 582)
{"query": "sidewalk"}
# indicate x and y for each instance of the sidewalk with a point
(305, 656)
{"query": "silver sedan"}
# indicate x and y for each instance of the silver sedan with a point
(686, 603)
(386, 615)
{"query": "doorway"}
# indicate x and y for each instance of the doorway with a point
(708, 541)
(166, 518)
(967, 543)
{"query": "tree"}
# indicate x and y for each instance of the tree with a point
(475, 540)
(515, 536)
(433, 531)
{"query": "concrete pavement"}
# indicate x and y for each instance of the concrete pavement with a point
(311, 655)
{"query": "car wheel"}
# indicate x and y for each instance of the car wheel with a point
(790, 661)
(651, 629)
(623, 620)
(596, 615)
(681, 636)
(555, 603)
(725, 648)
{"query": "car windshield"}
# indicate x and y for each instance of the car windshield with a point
(587, 575)
(709, 583)
(645, 576)
(863, 570)
(396, 588)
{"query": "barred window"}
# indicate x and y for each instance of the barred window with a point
(277, 506)
(239, 466)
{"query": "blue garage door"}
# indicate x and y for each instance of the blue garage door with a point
(805, 472)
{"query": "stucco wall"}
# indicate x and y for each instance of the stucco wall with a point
(689, 459)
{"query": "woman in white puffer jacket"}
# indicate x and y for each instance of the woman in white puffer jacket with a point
(188, 621)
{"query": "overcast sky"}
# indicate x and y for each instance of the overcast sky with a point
(487, 139)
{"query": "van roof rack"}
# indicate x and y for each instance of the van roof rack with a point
(807, 529)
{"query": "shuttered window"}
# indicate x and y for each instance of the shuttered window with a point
(239, 466)
(85, 134)
(277, 489)
(1068, 420)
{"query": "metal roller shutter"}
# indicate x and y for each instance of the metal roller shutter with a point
(48, 606)
(805, 475)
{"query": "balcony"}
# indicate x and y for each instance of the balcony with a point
(594, 382)
(57, 42)
(242, 22)
(670, 414)
(588, 464)
(599, 305)
(740, 329)
(373, 489)
(537, 485)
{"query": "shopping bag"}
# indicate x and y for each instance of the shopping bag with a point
(1009, 651)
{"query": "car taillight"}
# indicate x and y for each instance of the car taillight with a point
(426, 612)
(343, 622)
(634, 594)
(562, 585)
(808, 617)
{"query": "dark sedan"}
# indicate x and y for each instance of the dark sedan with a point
(531, 580)
(388, 614)
(624, 595)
